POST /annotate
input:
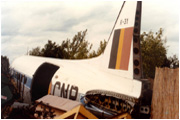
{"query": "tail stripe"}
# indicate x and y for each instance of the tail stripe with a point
(120, 52)
(118, 61)
(114, 49)
(126, 48)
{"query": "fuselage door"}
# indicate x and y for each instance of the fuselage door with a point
(41, 80)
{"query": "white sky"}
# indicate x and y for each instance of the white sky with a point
(26, 25)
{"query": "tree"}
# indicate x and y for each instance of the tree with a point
(5, 65)
(100, 49)
(171, 62)
(153, 51)
(78, 48)
(174, 62)
(50, 49)
(36, 51)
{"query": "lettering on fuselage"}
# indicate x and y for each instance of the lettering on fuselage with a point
(64, 91)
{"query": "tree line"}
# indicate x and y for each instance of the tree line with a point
(77, 48)
(153, 51)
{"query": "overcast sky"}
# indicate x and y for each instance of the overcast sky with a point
(26, 25)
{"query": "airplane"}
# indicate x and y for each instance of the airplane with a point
(110, 82)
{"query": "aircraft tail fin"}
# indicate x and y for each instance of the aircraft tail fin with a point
(122, 52)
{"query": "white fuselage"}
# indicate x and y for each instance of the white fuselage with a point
(84, 74)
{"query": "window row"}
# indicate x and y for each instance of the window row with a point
(18, 77)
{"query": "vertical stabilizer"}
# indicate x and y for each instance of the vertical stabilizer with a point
(122, 50)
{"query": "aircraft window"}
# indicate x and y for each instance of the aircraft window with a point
(20, 77)
(16, 76)
(136, 24)
(135, 40)
(136, 30)
(136, 50)
(137, 18)
(137, 12)
(25, 80)
(136, 71)
(29, 81)
(136, 62)
(11, 72)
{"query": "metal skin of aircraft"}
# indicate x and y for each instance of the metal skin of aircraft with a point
(109, 82)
